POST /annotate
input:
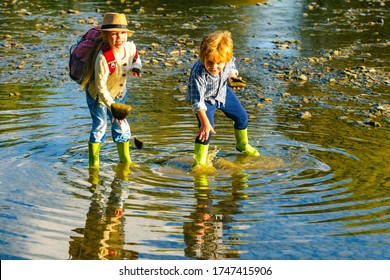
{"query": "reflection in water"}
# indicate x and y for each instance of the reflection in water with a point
(103, 235)
(203, 235)
(320, 191)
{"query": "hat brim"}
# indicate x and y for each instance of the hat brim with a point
(118, 29)
(114, 27)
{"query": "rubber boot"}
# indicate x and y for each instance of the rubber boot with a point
(123, 151)
(200, 155)
(242, 144)
(94, 150)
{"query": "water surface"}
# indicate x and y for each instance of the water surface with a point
(320, 189)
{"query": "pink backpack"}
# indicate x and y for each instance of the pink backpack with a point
(80, 51)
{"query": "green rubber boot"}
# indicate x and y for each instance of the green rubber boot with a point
(200, 155)
(94, 150)
(242, 144)
(123, 151)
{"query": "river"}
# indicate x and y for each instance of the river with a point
(319, 107)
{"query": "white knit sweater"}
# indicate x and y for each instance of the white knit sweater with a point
(107, 86)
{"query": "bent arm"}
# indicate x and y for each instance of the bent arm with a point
(205, 126)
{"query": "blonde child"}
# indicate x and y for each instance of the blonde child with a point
(104, 88)
(208, 90)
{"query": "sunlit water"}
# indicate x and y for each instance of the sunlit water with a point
(320, 189)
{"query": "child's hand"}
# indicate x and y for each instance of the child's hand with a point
(135, 72)
(236, 82)
(119, 122)
(204, 132)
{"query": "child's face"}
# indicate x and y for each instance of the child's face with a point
(213, 67)
(117, 39)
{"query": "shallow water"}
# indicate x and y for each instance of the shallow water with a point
(320, 189)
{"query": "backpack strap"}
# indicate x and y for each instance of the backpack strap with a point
(109, 55)
(136, 56)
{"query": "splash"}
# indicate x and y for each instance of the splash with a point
(207, 168)
(248, 162)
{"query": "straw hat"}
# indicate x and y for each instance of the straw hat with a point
(115, 22)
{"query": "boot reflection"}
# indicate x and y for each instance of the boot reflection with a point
(94, 177)
(203, 235)
(201, 183)
(122, 170)
(200, 235)
(103, 237)
(239, 185)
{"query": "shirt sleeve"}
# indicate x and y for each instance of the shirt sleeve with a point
(197, 90)
(101, 76)
(233, 68)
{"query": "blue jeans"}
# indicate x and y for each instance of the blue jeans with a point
(232, 109)
(100, 114)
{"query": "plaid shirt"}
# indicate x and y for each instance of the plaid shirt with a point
(202, 86)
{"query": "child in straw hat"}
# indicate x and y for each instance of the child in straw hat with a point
(103, 88)
(208, 90)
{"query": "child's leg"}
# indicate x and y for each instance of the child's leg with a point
(236, 112)
(99, 120)
(201, 148)
(200, 154)
(121, 135)
(98, 132)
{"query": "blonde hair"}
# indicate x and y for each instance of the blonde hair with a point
(216, 47)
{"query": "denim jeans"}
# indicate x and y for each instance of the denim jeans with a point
(232, 109)
(100, 116)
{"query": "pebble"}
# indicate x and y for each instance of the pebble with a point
(372, 123)
(303, 78)
(305, 115)
(73, 12)
(11, 94)
(266, 99)
(384, 108)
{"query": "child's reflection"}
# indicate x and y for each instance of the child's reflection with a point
(203, 235)
(103, 236)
